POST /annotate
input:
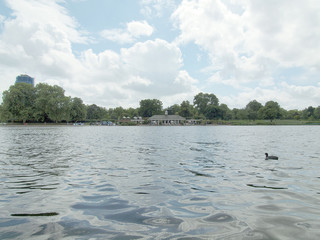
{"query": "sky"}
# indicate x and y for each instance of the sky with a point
(116, 53)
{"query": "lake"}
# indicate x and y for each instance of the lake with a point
(183, 182)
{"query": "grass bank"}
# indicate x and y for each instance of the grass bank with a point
(263, 122)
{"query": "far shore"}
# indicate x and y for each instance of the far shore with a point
(202, 123)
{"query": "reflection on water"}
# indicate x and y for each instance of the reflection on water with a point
(159, 182)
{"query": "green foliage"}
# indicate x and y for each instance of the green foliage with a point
(253, 108)
(317, 113)
(212, 112)
(57, 104)
(174, 109)
(95, 112)
(5, 115)
(294, 114)
(239, 114)
(59, 109)
(308, 113)
(117, 113)
(45, 103)
(18, 102)
(132, 112)
(150, 107)
(204, 103)
(186, 109)
(225, 112)
(271, 111)
(78, 110)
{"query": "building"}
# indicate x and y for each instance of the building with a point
(23, 78)
(166, 119)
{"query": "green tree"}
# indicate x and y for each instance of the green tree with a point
(294, 114)
(253, 108)
(118, 113)
(51, 104)
(271, 111)
(225, 112)
(283, 113)
(317, 113)
(59, 106)
(174, 109)
(132, 112)
(308, 113)
(95, 112)
(18, 102)
(213, 112)
(43, 95)
(78, 110)
(203, 100)
(239, 114)
(5, 115)
(150, 107)
(186, 109)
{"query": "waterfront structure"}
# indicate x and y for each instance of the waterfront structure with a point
(23, 78)
(166, 119)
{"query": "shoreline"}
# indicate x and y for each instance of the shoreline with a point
(204, 123)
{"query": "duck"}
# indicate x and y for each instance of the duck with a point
(271, 157)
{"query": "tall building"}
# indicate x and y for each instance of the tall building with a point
(23, 78)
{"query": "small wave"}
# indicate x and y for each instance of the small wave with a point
(163, 221)
(196, 149)
(199, 173)
(220, 217)
(208, 143)
(46, 214)
(257, 186)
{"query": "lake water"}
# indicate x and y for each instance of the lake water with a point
(196, 182)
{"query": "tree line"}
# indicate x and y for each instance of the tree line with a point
(45, 103)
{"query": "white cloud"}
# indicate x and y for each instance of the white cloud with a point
(251, 42)
(247, 42)
(47, 13)
(2, 18)
(157, 7)
(251, 46)
(150, 69)
(288, 96)
(133, 31)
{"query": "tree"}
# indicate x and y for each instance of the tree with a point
(225, 112)
(294, 114)
(59, 108)
(270, 111)
(213, 112)
(43, 95)
(283, 113)
(174, 109)
(95, 112)
(18, 102)
(308, 113)
(239, 114)
(252, 108)
(118, 113)
(132, 112)
(186, 109)
(150, 107)
(51, 104)
(203, 100)
(78, 110)
(5, 115)
(317, 113)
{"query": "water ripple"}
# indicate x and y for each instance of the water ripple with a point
(159, 183)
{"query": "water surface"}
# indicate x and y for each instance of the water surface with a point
(196, 182)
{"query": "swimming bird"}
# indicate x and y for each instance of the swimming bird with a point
(271, 157)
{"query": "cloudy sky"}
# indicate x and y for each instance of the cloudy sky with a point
(116, 53)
